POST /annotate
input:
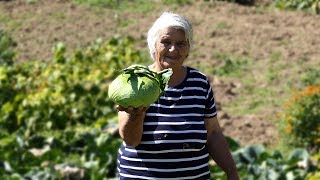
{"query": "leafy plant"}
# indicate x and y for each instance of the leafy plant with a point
(311, 77)
(55, 116)
(254, 162)
(313, 5)
(6, 49)
(316, 173)
(301, 118)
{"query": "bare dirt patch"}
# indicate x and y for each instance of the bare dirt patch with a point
(219, 27)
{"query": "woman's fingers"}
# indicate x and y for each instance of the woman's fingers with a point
(120, 108)
(132, 110)
(140, 109)
(145, 108)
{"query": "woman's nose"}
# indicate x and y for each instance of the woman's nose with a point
(172, 47)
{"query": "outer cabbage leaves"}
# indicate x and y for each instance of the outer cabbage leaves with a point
(138, 86)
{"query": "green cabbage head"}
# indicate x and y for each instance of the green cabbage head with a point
(138, 86)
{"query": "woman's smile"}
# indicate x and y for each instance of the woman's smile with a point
(171, 58)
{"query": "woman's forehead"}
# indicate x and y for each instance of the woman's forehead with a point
(172, 32)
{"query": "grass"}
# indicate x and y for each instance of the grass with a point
(138, 6)
(258, 80)
(311, 76)
(222, 25)
(9, 23)
(100, 3)
(4, 17)
(265, 83)
(231, 66)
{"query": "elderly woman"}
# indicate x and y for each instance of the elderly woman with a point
(174, 137)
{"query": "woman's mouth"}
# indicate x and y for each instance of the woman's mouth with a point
(171, 57)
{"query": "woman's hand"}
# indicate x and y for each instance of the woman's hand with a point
(131, 124)
(133, 112)
(219, 149)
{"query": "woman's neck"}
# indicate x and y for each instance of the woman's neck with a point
(179, 74)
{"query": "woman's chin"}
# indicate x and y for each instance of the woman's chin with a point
(171, 63)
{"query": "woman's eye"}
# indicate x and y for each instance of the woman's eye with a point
(181, 44)
(165, 43)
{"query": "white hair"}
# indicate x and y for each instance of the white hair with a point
(168, 19)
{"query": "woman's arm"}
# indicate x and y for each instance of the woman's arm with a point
(219, 150)
(131, 124)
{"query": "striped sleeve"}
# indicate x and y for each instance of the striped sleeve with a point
(210, 105)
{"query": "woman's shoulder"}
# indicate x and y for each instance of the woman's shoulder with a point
(196, 73)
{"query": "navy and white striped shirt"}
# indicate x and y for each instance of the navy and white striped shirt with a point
(173, 145)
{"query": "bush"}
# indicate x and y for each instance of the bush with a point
(56, 116)
(301, 118)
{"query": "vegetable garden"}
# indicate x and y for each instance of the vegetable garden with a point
(57, 122)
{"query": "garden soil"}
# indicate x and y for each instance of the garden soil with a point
(256, 31)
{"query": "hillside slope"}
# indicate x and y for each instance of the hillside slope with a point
(280, 48)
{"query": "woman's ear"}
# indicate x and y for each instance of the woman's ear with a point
(154, 56)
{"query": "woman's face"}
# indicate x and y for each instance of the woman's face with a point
(172, 49)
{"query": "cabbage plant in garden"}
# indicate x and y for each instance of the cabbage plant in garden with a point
(256, 162)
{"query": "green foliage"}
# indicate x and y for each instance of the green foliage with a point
(6, 49)
(31, 1)
(101, 3)
(315, 175)
(230, 66)
(312, 5)
(85, 149)
(67, 91)
(134, 5)
(254, 162)
(54, 116)
(300, 120)
(232, 143)
(179, 2)
(311, 77)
